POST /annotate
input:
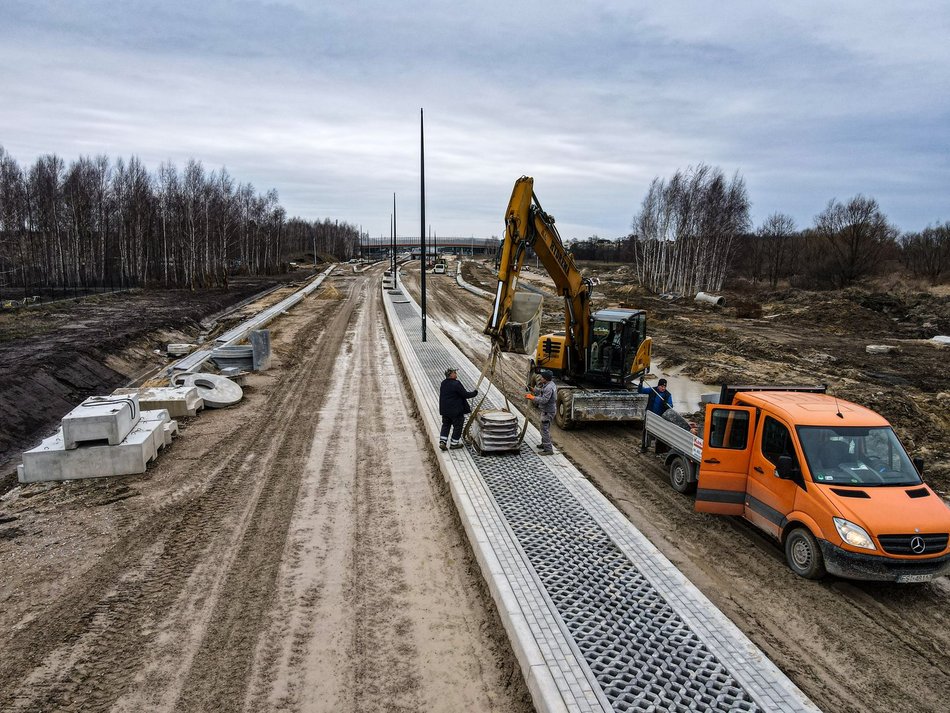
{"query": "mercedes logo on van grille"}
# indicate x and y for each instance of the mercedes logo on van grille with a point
(917, 545)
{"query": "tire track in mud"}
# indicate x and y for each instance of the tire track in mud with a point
(854, 647)
(382, 638)
(340, 638)
(85, 650)
(379, 606)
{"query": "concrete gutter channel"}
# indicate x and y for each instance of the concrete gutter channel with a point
(598, 618)
(240, 332)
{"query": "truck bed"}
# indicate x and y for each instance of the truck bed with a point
(678, 439)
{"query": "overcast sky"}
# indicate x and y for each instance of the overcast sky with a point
(808, 101)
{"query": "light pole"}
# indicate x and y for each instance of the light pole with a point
(422, 225)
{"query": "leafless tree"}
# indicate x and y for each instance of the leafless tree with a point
(927, 253)
(95, 224)
(776, 235)
(856, 237)
(687, 228)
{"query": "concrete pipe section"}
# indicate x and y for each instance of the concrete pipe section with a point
(599, 619)
(708, 299)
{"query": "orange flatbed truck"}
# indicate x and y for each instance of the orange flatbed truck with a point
(826, 478)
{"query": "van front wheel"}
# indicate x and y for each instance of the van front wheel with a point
(803, 554)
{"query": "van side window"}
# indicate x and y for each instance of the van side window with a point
(777, 441)
(729, 429)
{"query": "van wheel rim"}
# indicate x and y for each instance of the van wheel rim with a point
(801, 554)
(679, 475)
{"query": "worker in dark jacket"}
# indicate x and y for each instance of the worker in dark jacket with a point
(660, 399)
(453, 405)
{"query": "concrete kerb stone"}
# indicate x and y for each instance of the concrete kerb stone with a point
(537, 669)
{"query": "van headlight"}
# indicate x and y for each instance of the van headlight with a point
(853, 534)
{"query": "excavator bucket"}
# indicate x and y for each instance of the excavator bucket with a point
(523, 328)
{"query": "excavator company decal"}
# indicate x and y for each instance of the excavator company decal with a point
(560, 257)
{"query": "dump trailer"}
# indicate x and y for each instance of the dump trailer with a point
(826, 478)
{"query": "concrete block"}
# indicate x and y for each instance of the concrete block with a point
(179, 401)
(101, 418)
(52, 461)
(260, 344)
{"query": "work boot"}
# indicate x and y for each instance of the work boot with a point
(457, 445)
(442, 446)
(548, 452)
(541, 447)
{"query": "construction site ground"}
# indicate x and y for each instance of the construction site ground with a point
(300, 551)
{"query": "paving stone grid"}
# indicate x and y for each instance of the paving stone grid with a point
(642, 653)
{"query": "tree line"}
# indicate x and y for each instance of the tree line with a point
(97, 223)
(693, 231)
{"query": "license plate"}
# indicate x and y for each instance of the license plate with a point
(906, 578)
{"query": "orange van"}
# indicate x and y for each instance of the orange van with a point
(827, 478)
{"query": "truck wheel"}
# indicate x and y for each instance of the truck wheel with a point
(563, 415)
(679, 476)
(803, 554)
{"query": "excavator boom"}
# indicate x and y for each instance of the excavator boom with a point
(515, 317)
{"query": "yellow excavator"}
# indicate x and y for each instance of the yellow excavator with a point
(598, 356)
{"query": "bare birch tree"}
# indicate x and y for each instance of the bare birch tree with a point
(687, 227)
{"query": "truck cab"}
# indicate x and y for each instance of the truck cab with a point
(828, 479)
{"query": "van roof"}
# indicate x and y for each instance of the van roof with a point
(810, 409)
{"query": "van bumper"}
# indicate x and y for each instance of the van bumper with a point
(852, 565)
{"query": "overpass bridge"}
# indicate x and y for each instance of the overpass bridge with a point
(378, 247)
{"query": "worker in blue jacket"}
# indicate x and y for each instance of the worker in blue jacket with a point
(660, 399)
(453, 405)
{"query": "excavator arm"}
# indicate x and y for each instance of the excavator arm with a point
(527, 225)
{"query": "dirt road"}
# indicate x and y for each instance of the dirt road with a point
(851, 646)
(298, 552)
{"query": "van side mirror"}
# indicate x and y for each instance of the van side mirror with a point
(919, 465)
(785, 469)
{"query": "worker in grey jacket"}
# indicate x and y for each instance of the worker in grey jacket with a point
(545, 399)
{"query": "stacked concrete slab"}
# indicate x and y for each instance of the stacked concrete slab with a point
(179, 401)
(103, 436)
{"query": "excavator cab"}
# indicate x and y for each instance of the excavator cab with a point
(619, 348)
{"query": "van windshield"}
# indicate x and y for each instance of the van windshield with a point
(856, 456)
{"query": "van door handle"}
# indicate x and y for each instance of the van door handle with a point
(757, 469)
(711, 460)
